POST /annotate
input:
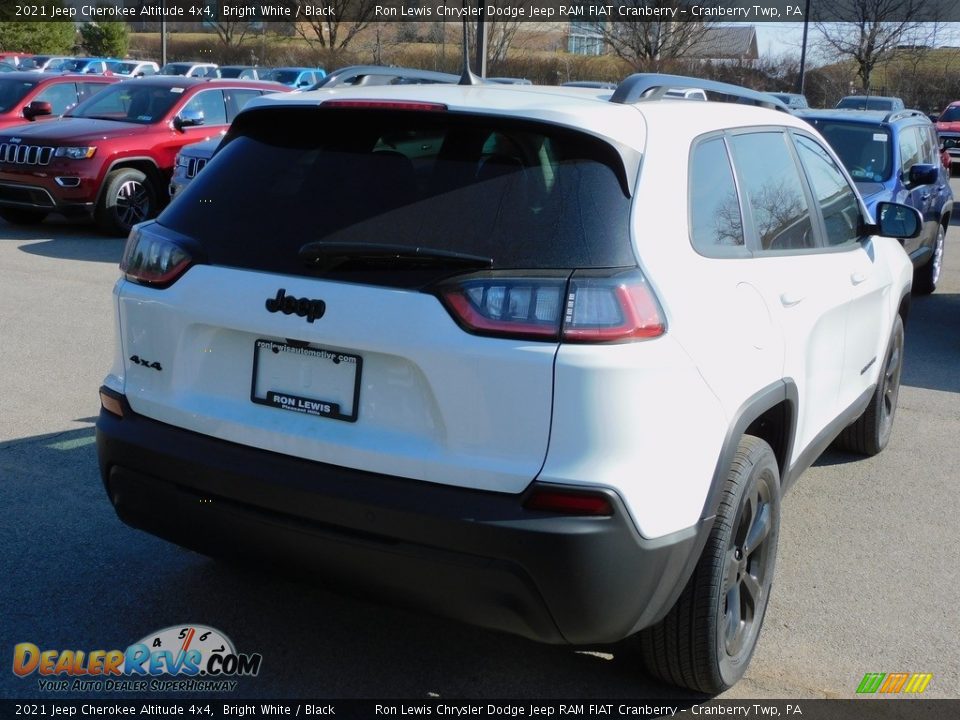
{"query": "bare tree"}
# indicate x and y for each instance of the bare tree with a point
(500, 34)
(646, 45)
(231, 34)
(873, 28)
(332, 23)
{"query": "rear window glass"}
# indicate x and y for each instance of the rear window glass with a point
(525, 194)
(865, 150)
(951, 114)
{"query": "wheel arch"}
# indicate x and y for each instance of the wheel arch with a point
(145, 164)
(771, 415)
(903, 308)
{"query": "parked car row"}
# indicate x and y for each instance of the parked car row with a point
(294, 77)
(111, 156)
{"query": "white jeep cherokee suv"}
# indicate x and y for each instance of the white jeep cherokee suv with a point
(540, 359)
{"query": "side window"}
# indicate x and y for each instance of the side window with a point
(89, 89)
(237, 99)
(837, 200)
(61, 96)
(931, 151)
(909, 142)
(773, 190)
(715, 220)
(210, 103)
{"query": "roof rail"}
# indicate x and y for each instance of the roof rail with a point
(642, 87)
(356, 74)
(897, 114)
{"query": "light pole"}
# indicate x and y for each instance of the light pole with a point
(481, 41)
(163, 32)
(803, 49)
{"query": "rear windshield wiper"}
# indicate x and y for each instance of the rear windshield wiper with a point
(333, 254)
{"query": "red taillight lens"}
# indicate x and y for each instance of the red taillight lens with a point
(568, 502)
(589, 307)
(508, 306)
(151, 259)
(611, 309)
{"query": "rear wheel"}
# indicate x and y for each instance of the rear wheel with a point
(871, 432)
(706, 641)
(925, 278)
(128, 198)
(19, 216)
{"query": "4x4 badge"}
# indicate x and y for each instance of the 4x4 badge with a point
(304, 307)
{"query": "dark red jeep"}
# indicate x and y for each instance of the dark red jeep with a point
(28, 96)
(112, 156)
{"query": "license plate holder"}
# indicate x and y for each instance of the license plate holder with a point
(307, 380)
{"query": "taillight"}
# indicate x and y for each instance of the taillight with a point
(506, 305)
(617, 308)
(152, 259)
(568, 502)
(585, 307)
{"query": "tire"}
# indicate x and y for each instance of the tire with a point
(128, 198)
(925, 278)
(871, 432)
(707, 639)
(19, 216)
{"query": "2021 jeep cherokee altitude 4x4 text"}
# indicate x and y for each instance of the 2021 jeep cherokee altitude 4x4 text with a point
(541, 359)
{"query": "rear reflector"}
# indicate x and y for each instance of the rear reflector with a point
(111, 404)
(386, 105)
(569, 502)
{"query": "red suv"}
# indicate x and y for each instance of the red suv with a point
(26, 96)
(112, 156)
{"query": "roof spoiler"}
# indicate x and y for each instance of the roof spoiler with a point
(647, 87)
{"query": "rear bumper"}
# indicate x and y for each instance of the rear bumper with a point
(475, 556)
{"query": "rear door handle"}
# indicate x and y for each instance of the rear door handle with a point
(789, 299)
(857, 278)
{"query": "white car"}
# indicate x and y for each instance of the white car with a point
(539, 359)
(133, 68)
(190, 69)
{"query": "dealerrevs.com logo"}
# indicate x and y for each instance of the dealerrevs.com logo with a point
(187, 658)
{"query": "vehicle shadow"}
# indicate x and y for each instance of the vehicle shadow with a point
(76, 577)
(62, 239)
(932, 343)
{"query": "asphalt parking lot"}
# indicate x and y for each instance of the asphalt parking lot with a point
(867, 573)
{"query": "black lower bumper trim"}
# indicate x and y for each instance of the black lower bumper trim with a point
(471, 555)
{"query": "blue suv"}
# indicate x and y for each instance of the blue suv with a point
(895, 156)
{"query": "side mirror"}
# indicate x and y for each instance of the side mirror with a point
(36, 109)
(188, 118)
(923, 174)
(303, 84)
(896, 221)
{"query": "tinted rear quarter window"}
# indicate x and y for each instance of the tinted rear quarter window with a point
(527, 195)
(715, 221)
